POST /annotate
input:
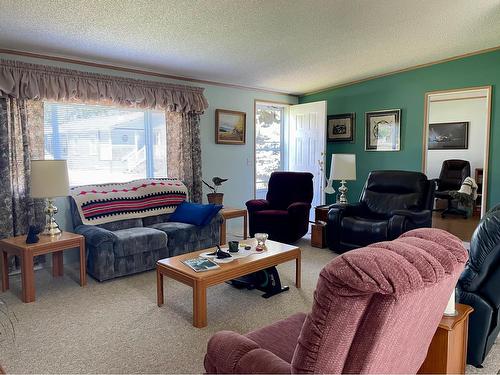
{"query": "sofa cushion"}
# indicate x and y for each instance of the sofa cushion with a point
(138, 240)
(183, 237)
(121, 224)
(150, 220)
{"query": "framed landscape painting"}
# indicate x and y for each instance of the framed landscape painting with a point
(230, 127)
(383, 130)
(449, 136)
(340, 128)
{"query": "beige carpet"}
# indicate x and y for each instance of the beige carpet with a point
(116, 327)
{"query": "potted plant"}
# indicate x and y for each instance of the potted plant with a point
(214, 197)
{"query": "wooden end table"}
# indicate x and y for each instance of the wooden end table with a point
(232, 213)
(447, 353)
(26, 252)
(173, 268)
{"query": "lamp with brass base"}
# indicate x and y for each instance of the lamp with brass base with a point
(49, 179)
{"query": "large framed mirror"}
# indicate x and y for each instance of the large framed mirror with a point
(456, 140)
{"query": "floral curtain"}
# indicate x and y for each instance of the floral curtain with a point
(21, 139)
(184, 151)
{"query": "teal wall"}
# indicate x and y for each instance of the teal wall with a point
(406, 91)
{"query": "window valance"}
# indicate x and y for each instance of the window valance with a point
(32, 81)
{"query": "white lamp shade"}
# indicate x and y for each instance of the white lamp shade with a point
(49, 178)
(343, 167)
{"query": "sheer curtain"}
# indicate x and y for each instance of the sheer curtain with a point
(21, 139)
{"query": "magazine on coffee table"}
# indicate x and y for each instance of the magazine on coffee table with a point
(201, 264)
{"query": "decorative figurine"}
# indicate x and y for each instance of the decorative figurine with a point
(261, 241)
(32, 234)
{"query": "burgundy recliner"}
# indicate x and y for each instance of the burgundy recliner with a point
(284, 214)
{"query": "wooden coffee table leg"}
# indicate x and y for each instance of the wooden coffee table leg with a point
(28, 278)
(83, 264)
(199, 305)
(57, 264)
(5, 271)
(297, 271)
(159, 287)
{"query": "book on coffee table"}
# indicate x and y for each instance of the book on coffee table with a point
(201, 264)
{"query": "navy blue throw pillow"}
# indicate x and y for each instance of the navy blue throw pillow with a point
(194, 213)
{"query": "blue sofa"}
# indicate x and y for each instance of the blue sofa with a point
(130, 246)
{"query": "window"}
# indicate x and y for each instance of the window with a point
(105, 144)
(269, 137)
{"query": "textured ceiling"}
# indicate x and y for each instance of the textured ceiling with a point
(293, 46)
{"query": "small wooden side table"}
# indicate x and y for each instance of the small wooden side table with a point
(26, 252)
(232, 213)
(447, 353)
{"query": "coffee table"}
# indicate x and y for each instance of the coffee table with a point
(173, 268)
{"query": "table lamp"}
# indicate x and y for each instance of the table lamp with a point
(343, 168)
(49, 179)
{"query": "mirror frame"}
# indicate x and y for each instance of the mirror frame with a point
(488, 89)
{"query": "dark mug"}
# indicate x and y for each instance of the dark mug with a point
(233, 246)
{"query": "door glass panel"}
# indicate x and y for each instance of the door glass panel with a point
(268, 145)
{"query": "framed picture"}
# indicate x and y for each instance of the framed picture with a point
(230, 127)
(383, 130)
(340, 128)
(449, 136)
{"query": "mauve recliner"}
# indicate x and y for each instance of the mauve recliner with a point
(375, 310)
(284, 214)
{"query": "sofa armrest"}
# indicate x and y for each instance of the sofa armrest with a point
(299, 209)
(257, 205)
(224, 351)
(417, 217)
(95, 236)
(217, 219)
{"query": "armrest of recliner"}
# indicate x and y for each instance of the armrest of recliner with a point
(338, 210)
(229, 352)
(299, 209)
(257, 205)
(95, 236)
(417, 217)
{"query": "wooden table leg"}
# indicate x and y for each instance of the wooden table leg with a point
(223, 232)
(199, 305)
(159, 287)
(5, 271)
(245, 226)
(28, 277)
(297, 271)
(83, 264)
(57, 264)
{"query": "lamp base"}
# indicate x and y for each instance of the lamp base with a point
(343, 191)
(51, 227)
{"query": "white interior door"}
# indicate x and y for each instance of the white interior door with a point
(306, 143)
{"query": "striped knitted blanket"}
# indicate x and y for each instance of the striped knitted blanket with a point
(104, 203)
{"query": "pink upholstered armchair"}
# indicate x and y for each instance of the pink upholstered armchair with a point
(375, 310)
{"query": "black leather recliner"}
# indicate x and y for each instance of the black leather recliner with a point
(452, 175)
(392, 202)
(479, 287)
